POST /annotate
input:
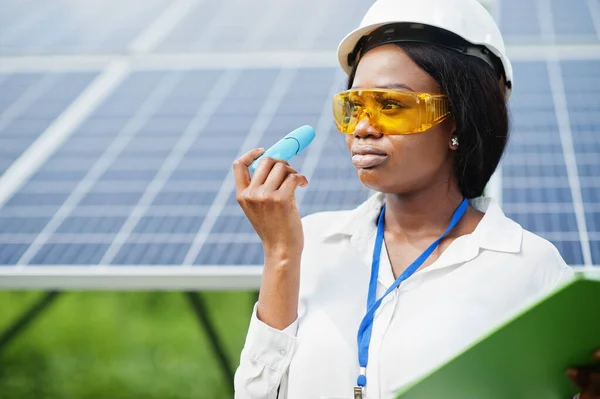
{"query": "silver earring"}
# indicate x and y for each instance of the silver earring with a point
(454, 141)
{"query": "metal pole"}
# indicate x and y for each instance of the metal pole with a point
(18, 325)
(199, 308)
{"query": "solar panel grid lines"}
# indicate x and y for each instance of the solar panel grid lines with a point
(30, 19)
(153, 221)
(31, 94)
(252, 140)
(275, 99)
(76, 27)
(213, 99)
(37, 43)
(156, 32)
(62, 127)
(324, 127)
(222, 17)
(259, 34)
(154, 100)
(320, 17)
(566, 136)
(594, 8)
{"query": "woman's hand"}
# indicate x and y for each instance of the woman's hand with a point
(269, 202)
(587, 378)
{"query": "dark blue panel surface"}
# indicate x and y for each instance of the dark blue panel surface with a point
(572, 18)
(22, 225)
(28, 105)
(169, 225)
(534, 171)
(61, 26)
(67, 254)
(519, 18)
(151, 254)
(570, 251)
(111, 199)
(546, 222)
(37, 199)
(184, 198)
(10, 253)
(230, 254)
(537, 195)
(233, 224)
(595, 248)
(592, 220)
(91, 225)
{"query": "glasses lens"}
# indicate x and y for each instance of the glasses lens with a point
(389, 111)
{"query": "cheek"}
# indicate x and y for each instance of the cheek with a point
(425, 150)
(349, 140)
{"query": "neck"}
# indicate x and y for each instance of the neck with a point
(422, 213)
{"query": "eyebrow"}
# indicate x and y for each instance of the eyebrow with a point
(390, 86)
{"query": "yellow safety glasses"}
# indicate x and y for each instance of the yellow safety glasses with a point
(389, 111)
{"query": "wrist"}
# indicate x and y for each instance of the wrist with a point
(281, 255)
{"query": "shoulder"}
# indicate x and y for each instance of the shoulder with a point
(517, 249)
(519, 255)
(543, 261)
(535, 247)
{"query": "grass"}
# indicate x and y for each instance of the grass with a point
(120, 345)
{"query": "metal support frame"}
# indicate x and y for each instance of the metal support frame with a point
(196, 302)
(199, 307)
(26, 318)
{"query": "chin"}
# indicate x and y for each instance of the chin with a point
(373, 179)
(386, 182)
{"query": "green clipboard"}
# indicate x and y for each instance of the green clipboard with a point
(526, 357)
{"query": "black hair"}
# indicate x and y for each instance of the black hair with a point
(478, 105)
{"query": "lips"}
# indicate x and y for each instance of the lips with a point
(368, 157)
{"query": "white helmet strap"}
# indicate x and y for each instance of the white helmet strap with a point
(408, 32)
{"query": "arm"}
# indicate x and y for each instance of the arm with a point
(269, 203)
(264, 360)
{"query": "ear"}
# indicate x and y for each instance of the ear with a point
(452, 129)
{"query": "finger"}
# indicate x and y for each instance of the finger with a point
(584, 377)
(240, 168)
(291, 182)
(278, 174)
(263, 170)
(574, 376)
(596, 354)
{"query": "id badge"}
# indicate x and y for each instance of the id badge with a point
(358, 394)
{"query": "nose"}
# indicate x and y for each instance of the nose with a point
(364, 129)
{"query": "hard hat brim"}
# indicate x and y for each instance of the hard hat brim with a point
(349, 42)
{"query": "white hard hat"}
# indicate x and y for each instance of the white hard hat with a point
(463, 25)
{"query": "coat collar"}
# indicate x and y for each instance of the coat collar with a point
(495, 231)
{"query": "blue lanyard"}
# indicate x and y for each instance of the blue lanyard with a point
(366, 325)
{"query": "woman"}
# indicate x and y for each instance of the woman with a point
(426, 124)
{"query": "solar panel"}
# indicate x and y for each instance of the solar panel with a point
(142, 186)
(573, 22)
(29, 102)
(62, 26)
